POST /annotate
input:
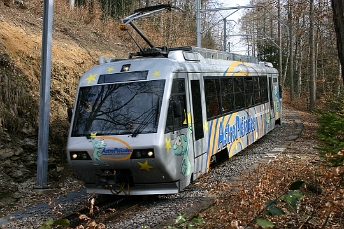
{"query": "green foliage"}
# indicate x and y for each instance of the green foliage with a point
(334, 103)
(268, 53)
(331, 130)
(50, 223)
(291, 199)
(181, 218)
(183, 222)
(264, 223)
(198, 220)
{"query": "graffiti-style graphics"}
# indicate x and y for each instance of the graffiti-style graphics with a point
(238, 68)
(277, 103)
(268, 120)
(180, 148)
(277, 95)
(98, 146)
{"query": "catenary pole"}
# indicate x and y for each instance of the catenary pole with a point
(224, 35)
(198, 19)
(44, 105)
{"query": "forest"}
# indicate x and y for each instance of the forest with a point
(298, 37)
(301, 38)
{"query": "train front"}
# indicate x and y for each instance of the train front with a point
(113, 143)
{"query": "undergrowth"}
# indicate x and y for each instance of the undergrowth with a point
(331, 130)
(17, 108)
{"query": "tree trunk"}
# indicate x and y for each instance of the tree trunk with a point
(280, 59)
(338, 19)
(291, 58)
(312, 77)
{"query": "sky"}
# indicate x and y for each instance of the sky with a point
(232, 27)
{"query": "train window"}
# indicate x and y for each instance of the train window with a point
(227, 95)
(178, 94)
(257, 91)
(239, 96)
(271, 93)
(248, 91)
(119, 109)
(122, 77)
(197, 109)
(211, 90)
(264, 88)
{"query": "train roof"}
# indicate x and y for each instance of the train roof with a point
(215, 54)
(192, 53)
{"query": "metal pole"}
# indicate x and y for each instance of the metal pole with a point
(44, 106)
(198, 19)
(71, 4)
(224, 35)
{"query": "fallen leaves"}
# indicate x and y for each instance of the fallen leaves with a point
(320, 206)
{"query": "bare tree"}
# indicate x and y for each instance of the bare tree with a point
(312, 84)
(338, 19)
(291, 57)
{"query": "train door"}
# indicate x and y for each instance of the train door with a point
(275, 91)
(272, 107)
(181, 139)
(195, 92)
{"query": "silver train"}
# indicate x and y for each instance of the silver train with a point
(152, 125)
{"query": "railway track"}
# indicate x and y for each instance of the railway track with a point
(103, 209)
(129, 209)
(157, 211)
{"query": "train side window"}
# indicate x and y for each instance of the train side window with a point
(257, 91)
(227, 95)
(264, 88)
(197, 109)
(248, 91)
(211, 90)
(239, 96)
(178, 94)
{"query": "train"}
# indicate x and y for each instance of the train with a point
(153, 123)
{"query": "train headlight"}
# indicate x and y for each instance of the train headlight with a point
(79, 155)
(142, 153)
(150, 153)
(84, 156)
(138, 154)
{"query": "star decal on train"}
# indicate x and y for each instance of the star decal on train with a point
(110, 69)
(93, 135)
(168, 145)
(91, 77)
(145, 166)
(156, 73)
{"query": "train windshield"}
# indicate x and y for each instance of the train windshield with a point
(117, 109)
